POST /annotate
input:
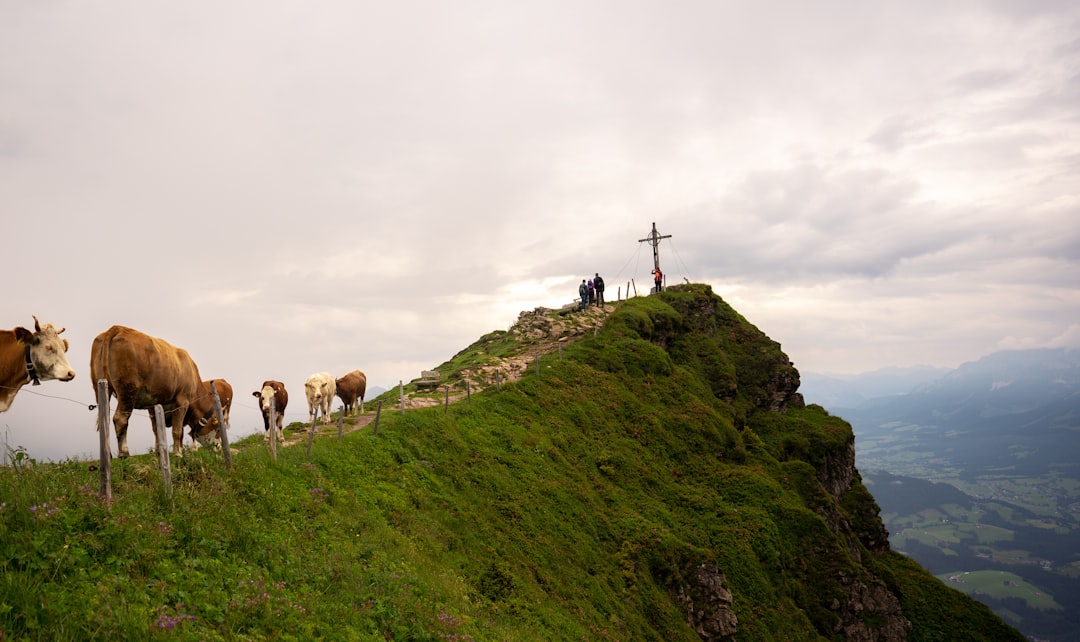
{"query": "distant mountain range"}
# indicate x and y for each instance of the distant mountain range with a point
(851, 390)
(977, 473)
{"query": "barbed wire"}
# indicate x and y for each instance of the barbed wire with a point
(679, 259)
(93, 406)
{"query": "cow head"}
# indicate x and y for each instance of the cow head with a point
(264, 396)
(314, 390)
(46, 355)
(209, 439)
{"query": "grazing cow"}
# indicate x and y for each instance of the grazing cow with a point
(144, 371)
(273, 390)
(207, 434)
(320, 390)
(27, 357)
(350, 388)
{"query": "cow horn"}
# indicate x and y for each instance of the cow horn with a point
(37, 326)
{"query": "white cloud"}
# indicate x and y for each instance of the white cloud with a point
(281, 190)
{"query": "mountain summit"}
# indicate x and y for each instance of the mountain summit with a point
(657, 477)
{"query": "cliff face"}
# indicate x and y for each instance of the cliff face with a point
(832, 558)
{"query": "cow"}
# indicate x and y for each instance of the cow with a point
(143, 371)
(274, 390)
(31, 357)
(320, 390)
(206, 434)
(350, 388)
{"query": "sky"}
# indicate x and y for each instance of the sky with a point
(282, 188)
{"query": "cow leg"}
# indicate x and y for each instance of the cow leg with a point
(326, 411)
(361, 405)
(280, 431)
(178, 430)
(120, 425)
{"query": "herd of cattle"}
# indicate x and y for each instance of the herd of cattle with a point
(143, 371)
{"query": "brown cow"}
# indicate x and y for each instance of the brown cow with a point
(144, 371)
(273, 390)
(350, 388)
(27, 357)
(206, 433)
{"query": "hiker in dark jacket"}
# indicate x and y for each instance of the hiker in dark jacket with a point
(598, 285)
(583, 292)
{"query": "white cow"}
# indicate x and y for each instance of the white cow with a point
(320, 388)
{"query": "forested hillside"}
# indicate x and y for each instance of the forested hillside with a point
(659, 480)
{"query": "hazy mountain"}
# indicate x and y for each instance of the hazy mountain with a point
(978, 477)
(832, 390)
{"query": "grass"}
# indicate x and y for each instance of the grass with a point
(1000, 585)
(574, 505)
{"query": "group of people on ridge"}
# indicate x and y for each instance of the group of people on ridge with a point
(592, 291)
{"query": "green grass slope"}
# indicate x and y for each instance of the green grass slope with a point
(659, 481)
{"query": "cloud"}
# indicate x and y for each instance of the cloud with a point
(281, 191)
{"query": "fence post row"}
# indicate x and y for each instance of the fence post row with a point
(311, 431)
(161, 437)
(273, 428)
(103, 439)
(222, 428)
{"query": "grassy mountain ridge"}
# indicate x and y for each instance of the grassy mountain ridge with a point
(660, 481)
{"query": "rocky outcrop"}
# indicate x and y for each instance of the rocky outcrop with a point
(867, 603)
(708, 604)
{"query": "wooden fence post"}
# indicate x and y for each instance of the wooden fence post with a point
(163, 449)
(401, 395)
(468, 392)
(273, 428)
(311, 431)
(378, 411)
(446, 402)
(341, 423)
(103, 438)
(223, 433)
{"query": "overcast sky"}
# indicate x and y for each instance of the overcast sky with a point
(289, 187)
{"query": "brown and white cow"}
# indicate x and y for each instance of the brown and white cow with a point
(27, 357)
(350, 388)
(320, 389)
(273, 390)
(206, 433)
(144, 371)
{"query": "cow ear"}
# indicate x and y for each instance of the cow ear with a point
(255, 394)
(23, 335)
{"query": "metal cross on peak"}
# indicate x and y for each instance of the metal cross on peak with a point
(654, 238)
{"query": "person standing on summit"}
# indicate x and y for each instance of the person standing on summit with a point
(583, 292)
(598, 285)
